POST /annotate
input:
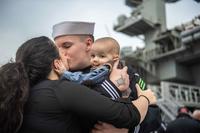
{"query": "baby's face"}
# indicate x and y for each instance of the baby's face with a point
(100, 56)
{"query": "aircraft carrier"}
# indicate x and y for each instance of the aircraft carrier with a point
(170, 59)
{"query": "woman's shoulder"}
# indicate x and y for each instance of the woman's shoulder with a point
(62, 83)
(69, 84)
(59, 86)
(48, 84)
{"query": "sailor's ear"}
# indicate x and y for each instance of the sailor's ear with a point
(88, 42)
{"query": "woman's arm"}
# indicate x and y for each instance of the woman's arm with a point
(84, 101)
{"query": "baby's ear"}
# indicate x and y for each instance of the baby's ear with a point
(116, 57)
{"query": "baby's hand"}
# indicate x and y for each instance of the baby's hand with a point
(60, 67)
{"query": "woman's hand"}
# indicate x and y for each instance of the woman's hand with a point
(149, 94)
(145, 97)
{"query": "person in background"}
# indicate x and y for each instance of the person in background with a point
(74, 39)
(183, 123)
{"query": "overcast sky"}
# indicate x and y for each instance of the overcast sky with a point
(23, 19)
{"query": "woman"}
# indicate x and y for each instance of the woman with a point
(57, 105)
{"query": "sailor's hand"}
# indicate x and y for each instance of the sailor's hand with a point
(120, 77)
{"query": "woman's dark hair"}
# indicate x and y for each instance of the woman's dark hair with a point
(37, 55)
(33, 64)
